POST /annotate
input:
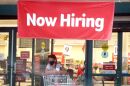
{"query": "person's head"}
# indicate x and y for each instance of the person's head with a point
(52, 59)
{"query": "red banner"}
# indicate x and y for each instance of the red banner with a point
(71, 20)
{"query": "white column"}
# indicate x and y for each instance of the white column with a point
(125, 55)
(125, 45)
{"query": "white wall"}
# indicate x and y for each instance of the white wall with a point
(97, 57)
(78, 54)
(76, 51)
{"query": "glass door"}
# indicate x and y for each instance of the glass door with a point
(24, 62)
(7, 56)
(105, 61)
(4, 46)
(126, 59)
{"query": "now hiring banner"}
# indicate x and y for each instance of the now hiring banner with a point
(65, 20)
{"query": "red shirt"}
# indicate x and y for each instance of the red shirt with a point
(80, 71)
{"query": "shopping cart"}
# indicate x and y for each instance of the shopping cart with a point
(58, 80)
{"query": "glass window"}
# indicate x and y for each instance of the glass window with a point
(42, 50)
(126, 53)
(105, 56)
(23, 61)
(4, 45)
(71, 54)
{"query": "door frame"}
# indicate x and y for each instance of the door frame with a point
(11, 59)
(89, 60)
(88, 55)
(121, 26)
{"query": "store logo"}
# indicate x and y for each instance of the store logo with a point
(66, 20)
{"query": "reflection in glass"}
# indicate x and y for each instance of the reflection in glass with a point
(105, 56)
(23, 62)
(126, 53)
(4, 41)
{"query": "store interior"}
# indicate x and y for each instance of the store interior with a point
(70, 53)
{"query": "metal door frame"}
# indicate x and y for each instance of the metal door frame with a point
(89, 60)
(119, 27)
(12, 53)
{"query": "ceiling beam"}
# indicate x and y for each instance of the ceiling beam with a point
(10, 11)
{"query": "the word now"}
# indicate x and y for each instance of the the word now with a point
(68, 20)
(40, 21)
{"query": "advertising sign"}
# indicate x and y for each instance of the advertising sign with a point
(115, 50)
(20, 69)
(67, 50)
(108, 66)
(71, 20)
(104, 54)
(25, 54)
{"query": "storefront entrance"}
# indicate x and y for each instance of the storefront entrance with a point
(106, 67)
(7, 56)
(112, 71)
(101, 69)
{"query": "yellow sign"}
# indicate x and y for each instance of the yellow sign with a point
(105, 47)
(43, 45)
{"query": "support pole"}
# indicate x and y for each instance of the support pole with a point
(12, 57)
(33, 61)
(119, 61)
(52, 46)
(88, 63)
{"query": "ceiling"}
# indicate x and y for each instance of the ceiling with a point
(15, 1)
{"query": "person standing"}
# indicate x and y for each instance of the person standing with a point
(53, 68)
